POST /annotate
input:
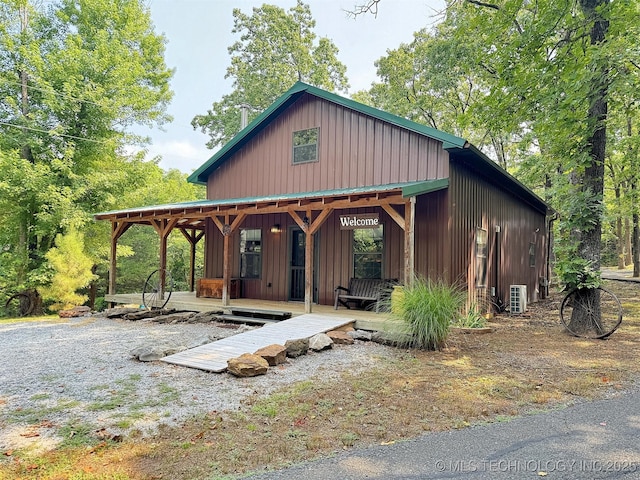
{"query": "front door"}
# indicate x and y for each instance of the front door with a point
(296, 275)
(297, 248)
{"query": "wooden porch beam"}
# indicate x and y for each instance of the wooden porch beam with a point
(320, 219)
(409, 241)
(227, 228)
(395, 216)
(218, 223)
(298, 220)
(193, 236)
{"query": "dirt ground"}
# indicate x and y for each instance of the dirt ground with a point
(527, 364)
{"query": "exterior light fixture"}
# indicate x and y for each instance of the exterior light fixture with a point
(276, 228)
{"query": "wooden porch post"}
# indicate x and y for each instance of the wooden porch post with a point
(308, 271)
(227, 229)
(113, 262)
(409, 241)
(226, 268)
(164, 228)
(117, 229)
(193, 237)
(309, 227)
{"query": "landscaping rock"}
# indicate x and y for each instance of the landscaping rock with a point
(345, 328)
(320, 342)
(274, 354)
(150, 353)
(143, 314)
(296, 348)
(177, 317)
(392, 339)
(340, 337)
(247, 365)
(360, 335)
(119, 312)
(80, 311)
(206, 317)
(203, 340)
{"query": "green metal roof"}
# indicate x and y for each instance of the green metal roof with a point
(409, 189)
(293, 94)
(459, 149)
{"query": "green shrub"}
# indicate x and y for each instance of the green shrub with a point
(425, 310)
(472, 319)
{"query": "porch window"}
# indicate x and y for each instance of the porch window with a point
(250, 253)
(305, 145)
(481, 257)
(368, 245)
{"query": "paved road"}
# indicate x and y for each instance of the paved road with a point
(610, 273)
(595, 440)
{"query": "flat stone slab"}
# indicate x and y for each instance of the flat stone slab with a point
(213, 357)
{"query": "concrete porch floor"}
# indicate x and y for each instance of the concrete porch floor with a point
(364, 319)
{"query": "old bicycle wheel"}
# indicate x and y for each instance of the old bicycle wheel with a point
(18, 305)
(591, 313)
(154, 296)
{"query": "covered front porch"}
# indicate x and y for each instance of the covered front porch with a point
(217, 221)
(364, 319)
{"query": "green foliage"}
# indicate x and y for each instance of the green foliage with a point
(74, 77)
(72, 271)
(426, 308)
(472, 319)
(276, 49)
(530, 82)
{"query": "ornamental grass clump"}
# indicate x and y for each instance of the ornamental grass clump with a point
(425, 310)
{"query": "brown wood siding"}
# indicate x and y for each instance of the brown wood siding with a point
(355, 150)
(475, 203)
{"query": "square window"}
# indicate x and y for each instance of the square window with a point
(305, 145)
(368, 245)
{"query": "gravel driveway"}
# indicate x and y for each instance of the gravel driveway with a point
(80, 372)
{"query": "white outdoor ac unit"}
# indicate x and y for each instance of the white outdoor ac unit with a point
(518, 298)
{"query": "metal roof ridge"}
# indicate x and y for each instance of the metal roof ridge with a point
(290, 96)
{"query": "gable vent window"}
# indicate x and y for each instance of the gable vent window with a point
(305, 145)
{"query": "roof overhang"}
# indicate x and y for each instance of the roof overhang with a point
(479, 163)
(193, 215)
(291, 96)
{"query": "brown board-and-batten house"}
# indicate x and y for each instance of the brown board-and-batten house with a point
(319, 189)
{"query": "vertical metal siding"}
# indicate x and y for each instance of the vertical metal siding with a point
(354, 150)
(475, 203)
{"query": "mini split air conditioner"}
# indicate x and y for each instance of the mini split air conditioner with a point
(518, 299)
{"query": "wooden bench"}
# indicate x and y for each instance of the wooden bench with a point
(363, 292)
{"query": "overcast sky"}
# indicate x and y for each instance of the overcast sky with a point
(199, 32)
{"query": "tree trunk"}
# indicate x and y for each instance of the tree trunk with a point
(620, 237)
(586, 308)
(628, 257)
(93, 288)
(590, 240)
(635, 245)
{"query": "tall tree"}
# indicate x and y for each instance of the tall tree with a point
(276, 49)
(552, 67)
(74, 77)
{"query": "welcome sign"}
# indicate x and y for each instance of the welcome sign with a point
(359, 220)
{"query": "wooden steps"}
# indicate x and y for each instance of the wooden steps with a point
(213, 357)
